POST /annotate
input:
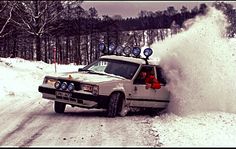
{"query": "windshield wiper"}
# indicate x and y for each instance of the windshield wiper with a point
(99, 73)
(94, 72)
(82, 69)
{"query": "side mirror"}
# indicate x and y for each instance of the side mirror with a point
(80, 69)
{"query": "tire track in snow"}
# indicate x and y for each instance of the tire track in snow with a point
(29, 119)
(37, 134)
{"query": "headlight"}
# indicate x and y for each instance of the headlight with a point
(95, 90)
(49, 81)
(90, 88)
(86, 87)
(64, 86)
(57, 84)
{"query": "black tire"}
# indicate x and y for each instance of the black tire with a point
(59, 107)
(114, 105)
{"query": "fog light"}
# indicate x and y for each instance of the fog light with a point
(64, 86)
(71, 87)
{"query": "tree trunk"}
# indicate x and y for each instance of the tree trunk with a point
(143, 35)
(32, 53)
(13, 55)
(49, 50)
(67, 50)
(45, 50)
(5, 47)
(87, 53)
(38, 48)
(91, 48)
(78, 52)
(8, 48)
(38, 40)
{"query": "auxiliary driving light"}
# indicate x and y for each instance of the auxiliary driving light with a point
(57, 84)
(111, 48)
(147, 52)
(127, 50)
(136, 51)
(119, 50)
(64, 86)
(71, 87)
(102, 48)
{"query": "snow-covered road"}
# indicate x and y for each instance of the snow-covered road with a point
(34, 123)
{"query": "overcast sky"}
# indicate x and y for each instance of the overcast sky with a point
(132, 8)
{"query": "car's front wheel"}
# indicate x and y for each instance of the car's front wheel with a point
(115, 104)
(59, 107)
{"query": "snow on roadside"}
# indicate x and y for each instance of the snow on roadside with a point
(211, 129)
(200, 64)
(20, 78)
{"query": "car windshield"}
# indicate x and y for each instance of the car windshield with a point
(113, 67)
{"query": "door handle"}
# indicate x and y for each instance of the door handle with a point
(135, 88)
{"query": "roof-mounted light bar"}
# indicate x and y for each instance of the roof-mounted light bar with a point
(126, 51)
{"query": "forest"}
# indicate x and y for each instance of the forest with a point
(39, 30)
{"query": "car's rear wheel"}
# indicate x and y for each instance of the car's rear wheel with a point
(59, 107)
(115, 104)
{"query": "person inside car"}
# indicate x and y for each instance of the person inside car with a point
(148, 78)
(151, 81)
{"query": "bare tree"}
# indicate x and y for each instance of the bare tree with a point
(6, 9)
(35, 17)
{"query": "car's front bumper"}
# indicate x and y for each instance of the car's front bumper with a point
(74, 98)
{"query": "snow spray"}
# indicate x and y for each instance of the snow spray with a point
(200, 66)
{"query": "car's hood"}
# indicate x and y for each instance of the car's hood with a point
(91, 78)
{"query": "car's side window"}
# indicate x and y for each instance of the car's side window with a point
(160, 75)
(140, 79)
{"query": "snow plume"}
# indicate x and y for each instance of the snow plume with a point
(200, 66)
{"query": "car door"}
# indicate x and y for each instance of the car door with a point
(142, 97)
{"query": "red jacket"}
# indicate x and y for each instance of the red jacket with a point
(153, 81)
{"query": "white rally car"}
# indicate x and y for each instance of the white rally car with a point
(111, 83)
